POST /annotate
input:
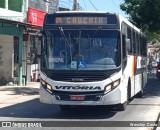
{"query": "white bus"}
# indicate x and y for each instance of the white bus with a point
(91, 58)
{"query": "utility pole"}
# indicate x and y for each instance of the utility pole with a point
(75, 5)
(47, 4)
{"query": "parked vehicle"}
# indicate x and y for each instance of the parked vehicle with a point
(158, 71)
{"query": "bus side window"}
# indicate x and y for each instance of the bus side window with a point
(124, 51)
(137, 44)
(129, 36)
(124, 46)
(134, 43)
(143, 47)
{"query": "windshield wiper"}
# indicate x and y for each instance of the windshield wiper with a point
(96, 32)
(65, 39)
(64, 36)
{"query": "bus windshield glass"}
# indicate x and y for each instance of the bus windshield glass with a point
(96, 49)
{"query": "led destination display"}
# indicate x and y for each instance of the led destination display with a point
(81, 20)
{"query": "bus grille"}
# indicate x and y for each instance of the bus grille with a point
(77, 78)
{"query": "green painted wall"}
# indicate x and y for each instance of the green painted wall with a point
(15, 5)
(2, 3)
(12, 29)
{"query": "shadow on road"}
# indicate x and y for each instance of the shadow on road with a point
(35, 109)
(152, 88)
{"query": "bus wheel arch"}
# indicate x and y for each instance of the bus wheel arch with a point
(123, 106)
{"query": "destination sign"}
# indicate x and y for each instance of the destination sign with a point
(79, 20)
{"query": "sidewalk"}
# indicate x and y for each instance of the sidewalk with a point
(14, 91)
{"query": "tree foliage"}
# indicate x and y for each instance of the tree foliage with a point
(144, 13)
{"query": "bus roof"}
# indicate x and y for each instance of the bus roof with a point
(121, 18)
(80, 12)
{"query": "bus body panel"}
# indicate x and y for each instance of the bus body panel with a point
(136, 73)
(114, 97)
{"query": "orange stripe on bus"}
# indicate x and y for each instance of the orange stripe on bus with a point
(134, 65)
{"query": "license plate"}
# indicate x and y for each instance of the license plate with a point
(78, 98)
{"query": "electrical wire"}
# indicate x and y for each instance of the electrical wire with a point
(93, 5)
(115, 4)
(85, 4)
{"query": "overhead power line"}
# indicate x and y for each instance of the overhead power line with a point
(115, 4)
(85, 4)
(93, 5)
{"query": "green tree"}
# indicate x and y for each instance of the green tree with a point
(144, 13)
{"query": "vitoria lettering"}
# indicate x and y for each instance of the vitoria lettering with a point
(79, 87)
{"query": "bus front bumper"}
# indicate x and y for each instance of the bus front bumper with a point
(113, 97)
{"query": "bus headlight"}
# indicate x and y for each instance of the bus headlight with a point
(111, 86)
(116, 83)
(49, 87)
(46, 86)
(43, 82)
(108, 88)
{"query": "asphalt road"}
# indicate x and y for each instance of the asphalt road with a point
(28, 108)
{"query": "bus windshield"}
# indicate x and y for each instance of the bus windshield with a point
(97, 49)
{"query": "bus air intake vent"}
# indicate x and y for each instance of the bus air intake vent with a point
(78, 77)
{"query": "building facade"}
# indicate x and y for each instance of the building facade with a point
(19, 21)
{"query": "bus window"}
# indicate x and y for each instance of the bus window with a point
(124, 46)
(137, 44)
(129, 37)
(143, 47)
(134, 43)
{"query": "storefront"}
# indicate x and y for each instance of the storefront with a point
(13, 57)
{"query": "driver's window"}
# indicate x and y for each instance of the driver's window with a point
(124, 46)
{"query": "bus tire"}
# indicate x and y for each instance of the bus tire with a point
(140, 94)
(64, 107)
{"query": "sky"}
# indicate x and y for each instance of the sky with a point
(103, 5)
